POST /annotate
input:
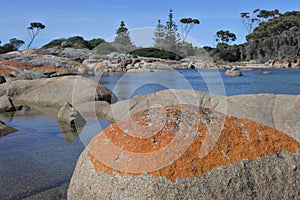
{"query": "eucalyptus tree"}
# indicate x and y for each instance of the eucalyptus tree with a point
(186, 25)
(33, 31)
(16, 43)
(249, 20)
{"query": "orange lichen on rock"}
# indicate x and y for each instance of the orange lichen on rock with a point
(182, 142)
(5, 70)
(24, 67)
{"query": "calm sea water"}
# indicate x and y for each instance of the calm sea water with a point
(39, 156)
(281, 81)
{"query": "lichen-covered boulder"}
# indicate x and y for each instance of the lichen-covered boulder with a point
(186, 152)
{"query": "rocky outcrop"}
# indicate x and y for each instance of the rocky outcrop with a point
(54, 92)
(6, 104)
(76, 54)
(5, 130)
(186, 152)
(24, 65)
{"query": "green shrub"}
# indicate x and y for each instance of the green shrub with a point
(94, 42)
(155, 53)
(6, 48)
(54, 43)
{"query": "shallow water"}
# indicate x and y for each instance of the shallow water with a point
(39, 156)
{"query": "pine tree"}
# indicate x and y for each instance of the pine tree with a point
(122, 41)
(159, 35)
(171, 36)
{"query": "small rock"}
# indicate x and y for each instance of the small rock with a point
(233, 72)
(5, 130)
(6, 104)
(266, 72)
(68, 114)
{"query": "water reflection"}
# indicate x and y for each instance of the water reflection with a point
(70, 131)
(7, 116)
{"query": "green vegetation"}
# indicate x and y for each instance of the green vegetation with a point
(250, 20)
(277, 36)
(13, 45)
(275, 26)
(225, 36)
(6, 48)
(76, 42)
(155, 53)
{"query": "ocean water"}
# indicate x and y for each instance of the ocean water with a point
(40, 156)
(280, 81)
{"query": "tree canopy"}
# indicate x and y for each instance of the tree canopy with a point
(186, 25)
(33, 31)
(16, 43)
(225, 36)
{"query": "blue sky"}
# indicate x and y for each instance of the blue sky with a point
(99, 19)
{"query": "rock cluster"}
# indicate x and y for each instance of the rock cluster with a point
(55, 92)
(173, 152)
(23, 65)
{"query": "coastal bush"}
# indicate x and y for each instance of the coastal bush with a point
(6, 48)
(76, 42)
(54, 43)
(94, 42)
(156, 53)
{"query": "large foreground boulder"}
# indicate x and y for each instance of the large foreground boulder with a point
(187, 152)
(54, 92)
